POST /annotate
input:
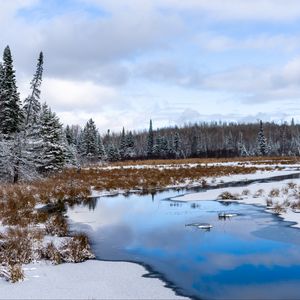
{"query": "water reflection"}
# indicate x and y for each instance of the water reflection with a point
(253, 255)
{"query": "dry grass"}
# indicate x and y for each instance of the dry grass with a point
(279, 208)
(274, 193)
(242, 160)
(76, 249)
(56, 225)
(228, 196)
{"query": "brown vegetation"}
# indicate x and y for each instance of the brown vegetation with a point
(242, 160)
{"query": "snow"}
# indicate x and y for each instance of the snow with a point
(210, 181)
(289, 215)
(89, 280)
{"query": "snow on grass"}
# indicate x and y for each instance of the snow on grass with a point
(88, 280)
(282, 198)
(188, 183)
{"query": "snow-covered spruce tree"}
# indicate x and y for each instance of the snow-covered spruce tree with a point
(262, 148)
(32, 104)
(150, 141)
(113, 153)
(1, 77)
(12, 161)
(156, 149)
(53, 154)
(90, 141)
(69, 135)
(101, 149)
(11, 114)
(123, 145)
(130, 146)
(164, 147)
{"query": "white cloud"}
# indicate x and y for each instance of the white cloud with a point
(272, 10)
(265, 42)
(66, 95)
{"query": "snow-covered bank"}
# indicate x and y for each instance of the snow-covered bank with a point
(89, 280)
(261, 174)
(258, 194)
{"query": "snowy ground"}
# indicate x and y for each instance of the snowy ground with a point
(290, 169)
(89, 280)
(258, 193)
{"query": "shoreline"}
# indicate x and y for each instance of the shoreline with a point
(259, 201)
(92, 279)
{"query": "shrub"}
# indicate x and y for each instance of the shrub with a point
(228, 196)
(12, 273)
(292, 185)
(57, 225)
(246, 192)
(278, 209)
(274, 193)
(15, 273)
(259, 193)
(16, 246)
(76, 249)
(50, 252)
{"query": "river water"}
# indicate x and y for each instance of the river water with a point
(253, 255)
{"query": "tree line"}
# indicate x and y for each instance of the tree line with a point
(199, 140)
(33, 141)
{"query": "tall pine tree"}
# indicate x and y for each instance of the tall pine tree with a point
(90, 141)
(261, 141)
(11, 114)
(32, 104)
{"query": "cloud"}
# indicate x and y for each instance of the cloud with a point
(248, 83)
(262, 10)
(272, 10)
(263, 42)
(123, 62)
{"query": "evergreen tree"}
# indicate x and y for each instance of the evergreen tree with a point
(69, 135)
(1, 78)
(130, 140)
(150, 141)
(53, 152)
(156, 149)
(11, 115)
(164, 147)
(113, 153)
(123, 145)
(32, 105)
(101, 149)
(261, 141)
(90, 136)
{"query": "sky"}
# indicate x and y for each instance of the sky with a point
(122, 62)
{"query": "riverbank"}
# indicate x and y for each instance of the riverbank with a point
(88, 280)
(280, 198)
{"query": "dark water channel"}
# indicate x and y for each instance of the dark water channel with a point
(254, 255)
